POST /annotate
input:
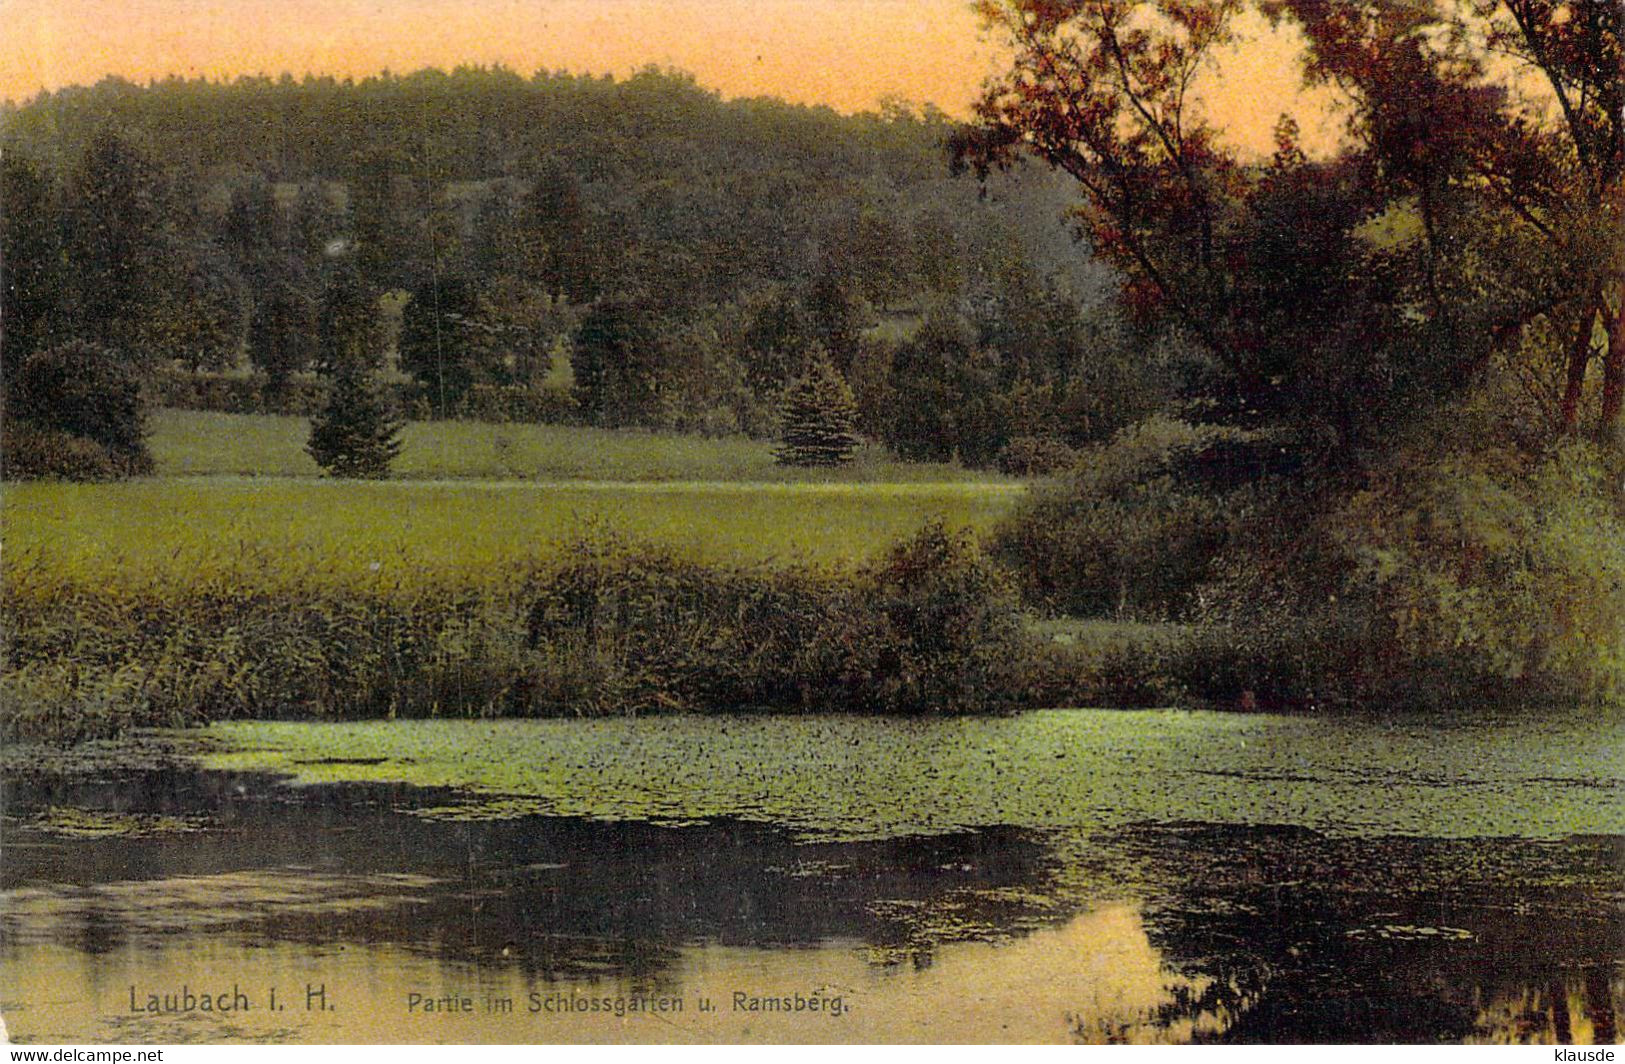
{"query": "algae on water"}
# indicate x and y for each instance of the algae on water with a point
(860, 778)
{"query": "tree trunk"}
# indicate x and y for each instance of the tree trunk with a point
(1579, 362)
(1613, 379)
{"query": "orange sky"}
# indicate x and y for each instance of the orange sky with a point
(845, 53)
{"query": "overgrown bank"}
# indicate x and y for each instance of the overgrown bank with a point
(606, 626)
(1442, 581)
(1447, 575)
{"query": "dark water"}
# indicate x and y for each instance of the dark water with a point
(339, 896)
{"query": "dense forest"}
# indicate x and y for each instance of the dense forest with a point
(634, 252)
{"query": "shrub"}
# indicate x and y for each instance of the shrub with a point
(950, 633)
(607, 626)
(29, 452)
(1125, 535)
(1036, 456)
(1106, 663)
(80, 389)
(931, 629)
(1450, 578)
(1494, 575)
(637, 629)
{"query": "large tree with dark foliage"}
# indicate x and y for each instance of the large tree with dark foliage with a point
(282, 331)
(387, 209)
(1308, 321)
(944, 395)
(349, 325)
(31, 290)
(255, 230)
(616, 358)
(439, 344)
(1503, 121)
(116, 241)
(834, 317)
(554, 213)
(198, 315)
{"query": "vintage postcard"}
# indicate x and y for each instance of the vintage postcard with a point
(812, 521)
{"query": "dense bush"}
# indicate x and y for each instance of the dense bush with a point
(1494, 572)
(254, 634)
(931, 629)
(1036, 456)
(77, 390)
(948, 636)
(1118, 665)
(1126, 535)
(629, 628)
(29, 452)
(608, 627)
(1449, 578)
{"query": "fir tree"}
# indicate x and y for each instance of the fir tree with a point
(819, 418)
(356, 435)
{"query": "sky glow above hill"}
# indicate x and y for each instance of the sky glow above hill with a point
(847, 54)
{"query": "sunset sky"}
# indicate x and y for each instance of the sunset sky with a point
(848, 54)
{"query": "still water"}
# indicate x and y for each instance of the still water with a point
(1061, 876)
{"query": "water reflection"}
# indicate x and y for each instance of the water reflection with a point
(209, 882)
(1574, 1011)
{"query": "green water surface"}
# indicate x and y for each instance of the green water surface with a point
(847, 778)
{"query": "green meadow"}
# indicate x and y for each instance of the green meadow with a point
(239, 493)
(179, 529)
(196, 443)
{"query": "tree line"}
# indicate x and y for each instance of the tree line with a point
(668, 258)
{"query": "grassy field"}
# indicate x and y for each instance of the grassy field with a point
(242, 583)
(237, 490)
(174, 529)
(195, 443)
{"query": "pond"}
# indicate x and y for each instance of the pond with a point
(1070, 875)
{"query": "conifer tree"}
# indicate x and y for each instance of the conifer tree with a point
(357, 434)
(819, 418)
